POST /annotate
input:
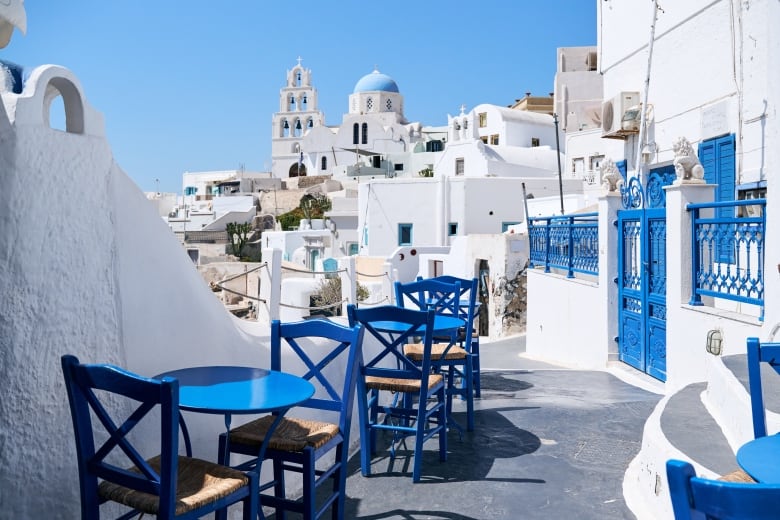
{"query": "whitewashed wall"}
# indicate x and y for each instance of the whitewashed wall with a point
(113, 287)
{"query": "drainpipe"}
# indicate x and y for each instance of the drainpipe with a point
(643, 107)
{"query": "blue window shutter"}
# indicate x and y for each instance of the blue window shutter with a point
(621, 166)
(717, 156)
(707, 160)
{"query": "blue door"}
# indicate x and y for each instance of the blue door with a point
(642, 274)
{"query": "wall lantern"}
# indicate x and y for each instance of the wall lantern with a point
(714, 342)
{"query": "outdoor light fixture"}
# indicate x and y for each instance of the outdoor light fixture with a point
(714, 342)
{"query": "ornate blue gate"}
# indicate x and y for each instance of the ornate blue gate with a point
(642, 273)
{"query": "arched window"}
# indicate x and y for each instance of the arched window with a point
(298, 129)
(310, 123)
(285, 129)
(355, 133)
(291, 104)
(305, 102)
(298, 79)
(364, 139)
(324, 163)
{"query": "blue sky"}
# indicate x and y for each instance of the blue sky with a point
(192, 85)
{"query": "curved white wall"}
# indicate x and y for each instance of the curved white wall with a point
(88, 268)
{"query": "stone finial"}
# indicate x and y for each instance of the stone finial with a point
(611, 179)
(12, 14)
(686, 164)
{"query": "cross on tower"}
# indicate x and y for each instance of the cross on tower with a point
(299, 60)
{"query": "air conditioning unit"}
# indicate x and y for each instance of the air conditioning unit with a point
(614, 110)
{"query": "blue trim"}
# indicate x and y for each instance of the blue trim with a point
(403, 229)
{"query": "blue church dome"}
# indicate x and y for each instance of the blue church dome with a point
(376, 81)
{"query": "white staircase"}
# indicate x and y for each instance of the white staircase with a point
(704, 423)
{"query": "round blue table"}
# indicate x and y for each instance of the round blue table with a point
(230, 390)
(760, 458)
(442, 325)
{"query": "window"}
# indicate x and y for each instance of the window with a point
(324, 163)
(190, 190)
(452, 229)
(364, 139)
(494, 139)
(483, 119)
(404, 234)
(484, 139)
(355, 133)
(434, 146)
(399, 167)
(369, 104)
(505, 225)
(352, 248)
(595, 162)
(459, 166)
(292, 104)
(389, 105)
(577, 166)
(754, 190)
(534, 142)
(365, 236)
(298, 79)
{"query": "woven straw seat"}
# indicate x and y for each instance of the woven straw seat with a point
(291, 434)
(393, 384)
(414, 351)
(199, 483)
(737, 476)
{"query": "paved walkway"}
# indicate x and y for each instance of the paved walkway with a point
(549, 443)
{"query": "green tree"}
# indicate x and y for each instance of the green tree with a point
(238, 235)
(309, 207)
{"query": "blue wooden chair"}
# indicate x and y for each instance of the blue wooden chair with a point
(467, 309)
(331, 355)
(410, 398)
(695, 498)
(758, 353)
(447, 354)
(168, 485)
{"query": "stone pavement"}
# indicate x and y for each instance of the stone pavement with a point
(549, 443)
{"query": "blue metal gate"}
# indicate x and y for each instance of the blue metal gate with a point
(642, 273)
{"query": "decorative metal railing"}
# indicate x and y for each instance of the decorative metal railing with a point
(728, 252)
(565, 242)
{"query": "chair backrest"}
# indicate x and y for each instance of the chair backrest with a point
(467, 305)
(407, 324)
(697, 498)
(330, 345)
(429, 293)
(756, 354)
(99, 389)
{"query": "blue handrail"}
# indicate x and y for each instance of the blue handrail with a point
(569, 242)
(727, 259)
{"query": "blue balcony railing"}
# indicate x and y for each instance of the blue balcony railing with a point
(728, 251)
(565, 242)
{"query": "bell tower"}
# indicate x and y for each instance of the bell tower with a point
(297, 115)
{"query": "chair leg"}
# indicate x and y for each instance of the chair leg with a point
(309, 491)
(443, 425)
(475, 366)
(468, 382)
(364, 417)
(279, 491)
(340, 483)
(251, 502)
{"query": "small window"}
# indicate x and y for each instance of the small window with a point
(434, 146)
(452, 229)
(389, 105)
(399, 167)
(404, 234)
(353, 248)
(751, 191)
(364, 134)
(484, 139)
(595, 162)
(505, 225)
(483, 119)
(578, 165)
(355, 133)
(324, 163)
(369, 104)
(494, 139)
(534, 142)
(459, 166)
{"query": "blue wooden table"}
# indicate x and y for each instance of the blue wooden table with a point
(760, 458)
(231, 390)
(442, 326)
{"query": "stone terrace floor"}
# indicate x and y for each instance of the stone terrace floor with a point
(549, 443)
